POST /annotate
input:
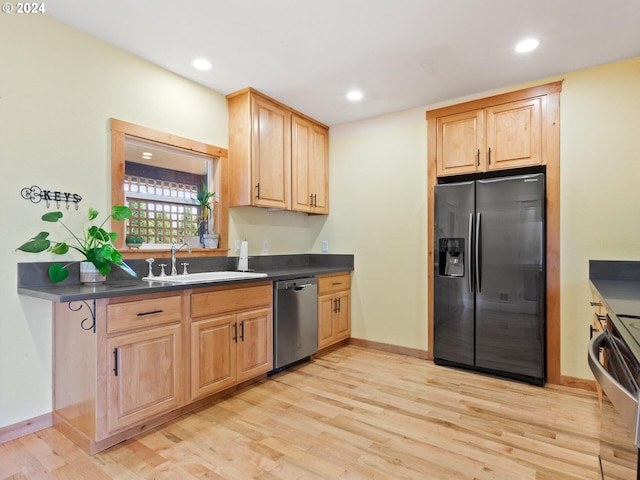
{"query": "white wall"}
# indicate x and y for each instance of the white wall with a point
(600, 190)
(59, 87)
(378, 184)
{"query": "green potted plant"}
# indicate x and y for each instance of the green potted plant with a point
(204, 198)
(133, 241)
(94, 243)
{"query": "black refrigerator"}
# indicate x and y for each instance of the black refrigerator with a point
(489, 278)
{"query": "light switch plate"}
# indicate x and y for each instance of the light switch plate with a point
(237, 246)
(265, 246)
(325, 245)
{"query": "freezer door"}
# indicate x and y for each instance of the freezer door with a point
(510, 296)
(453, 277)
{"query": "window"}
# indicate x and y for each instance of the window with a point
(161, 186)
(158, 176)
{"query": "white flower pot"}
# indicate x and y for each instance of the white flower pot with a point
(90, 274)
(211, 240)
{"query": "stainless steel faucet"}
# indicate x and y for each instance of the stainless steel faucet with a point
(174, 249)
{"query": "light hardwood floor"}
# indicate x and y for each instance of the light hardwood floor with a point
(354, 413)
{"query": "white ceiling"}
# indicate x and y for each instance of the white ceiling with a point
(400, 53)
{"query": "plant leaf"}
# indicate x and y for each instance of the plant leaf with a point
(57, 273)
(126, 268)
(99, 234)
(52, 216)
(60, 248)
(105, 269)
(93, 213)
(37, 244)
(120, 213)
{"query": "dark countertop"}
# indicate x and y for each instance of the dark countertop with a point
(33, 281)
(618, 284)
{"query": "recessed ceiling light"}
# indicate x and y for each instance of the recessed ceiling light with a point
(202, 64)
(527, 45)
(355, 95)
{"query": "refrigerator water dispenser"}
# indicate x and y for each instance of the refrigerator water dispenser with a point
(451, 257)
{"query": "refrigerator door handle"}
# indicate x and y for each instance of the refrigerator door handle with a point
(477, 259)
(468, 259)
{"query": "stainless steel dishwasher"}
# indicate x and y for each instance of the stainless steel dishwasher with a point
(295, 321)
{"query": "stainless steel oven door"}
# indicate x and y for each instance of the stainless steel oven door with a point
(619, 412)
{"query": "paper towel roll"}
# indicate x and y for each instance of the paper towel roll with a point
(243, 259)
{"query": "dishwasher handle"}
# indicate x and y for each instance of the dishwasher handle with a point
(298, 284)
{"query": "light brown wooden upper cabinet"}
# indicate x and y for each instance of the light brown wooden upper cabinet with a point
(499, 137)
(278, 157)
(309, 166)
(259, 151)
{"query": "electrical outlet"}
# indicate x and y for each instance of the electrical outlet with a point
(238, 243)
(265, 246)
(325, 245)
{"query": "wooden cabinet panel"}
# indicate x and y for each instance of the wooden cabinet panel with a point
(213, 359)
(130, 315)
(259, 151)
(231, 337)
(225, 300)
(334, 309)
(255, 343)
(325, 320)
(343, 316)
(500, 137)
(513, 134)
(145, 375)
(309, 166)
(319, 169)
(334, 283)
(460, 142)
(271, 154)
(278, 158)
(136, 371)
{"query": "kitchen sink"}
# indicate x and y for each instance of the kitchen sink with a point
(206, 277)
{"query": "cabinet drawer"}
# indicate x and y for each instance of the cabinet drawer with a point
(230, 300)
(334, 283)
(143, 313)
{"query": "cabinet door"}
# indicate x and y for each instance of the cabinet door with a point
(301, 134)
(319, 169)
(460, 143)
(309, 166)
(213, 355)
(342, 316)
(255, 343)
(145, 375)
(271, 154)
(325, 320)
(514, 134)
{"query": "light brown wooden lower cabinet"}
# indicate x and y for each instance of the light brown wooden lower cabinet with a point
(231, 337)
(146, 360)
(334, 308)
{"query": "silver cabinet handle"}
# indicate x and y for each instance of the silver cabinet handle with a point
(478, 252)
(470, 269)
